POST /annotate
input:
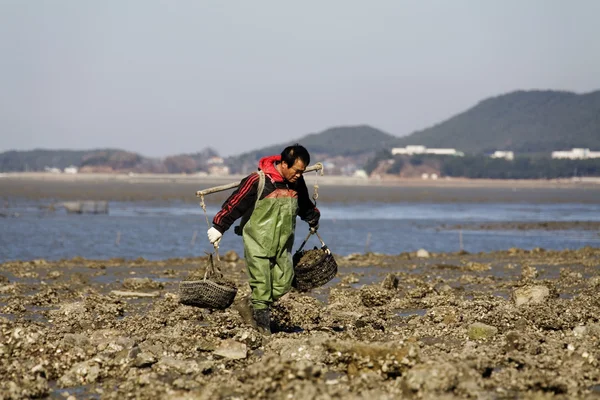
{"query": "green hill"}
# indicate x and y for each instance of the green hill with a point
(527, 122)
(346, 141)
(523, 121)
(36, 160)
(342, 140)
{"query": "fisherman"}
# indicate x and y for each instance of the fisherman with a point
(268, 202)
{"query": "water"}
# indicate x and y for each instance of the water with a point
(165, 230)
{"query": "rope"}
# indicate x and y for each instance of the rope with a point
(211, 267)
(316, 185)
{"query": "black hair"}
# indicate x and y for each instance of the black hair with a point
(290, 154)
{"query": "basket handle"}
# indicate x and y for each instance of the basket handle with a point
(212, 269)
(323, 245)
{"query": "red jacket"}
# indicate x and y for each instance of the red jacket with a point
(244, 197)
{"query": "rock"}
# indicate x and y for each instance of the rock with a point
(431, 377)
(530, 295)
(374, 296)
(75, 340)
(104, 337)
(579, 331)
(231, 349)
(143, 360)
(390, 359)
(422, 253)
(594, 281)
(73, 310)
(54, 274)
(309, 349)
(83, 373)
(390, 282)
(442, 288)
(479, 331)
(350, 278)
(231, 256)
(528, 272)
(475, 266)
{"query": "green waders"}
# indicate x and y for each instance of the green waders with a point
(268, 240)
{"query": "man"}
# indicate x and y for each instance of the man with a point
(269, 201)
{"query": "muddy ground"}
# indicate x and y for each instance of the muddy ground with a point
(331, 189)
(514, 324)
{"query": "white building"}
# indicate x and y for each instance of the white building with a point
(507, 155)
(215, 161)
(411, 150)
(576, 154)
(219, 170)
(71, 170)
(52, 170)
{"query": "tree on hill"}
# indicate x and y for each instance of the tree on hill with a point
(338, 141)
(38, 159)
(523, 121)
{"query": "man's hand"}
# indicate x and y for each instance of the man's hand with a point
(214, 236)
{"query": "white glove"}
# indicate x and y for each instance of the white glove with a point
(214, 236)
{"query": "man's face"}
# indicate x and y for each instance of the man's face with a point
(293, 173)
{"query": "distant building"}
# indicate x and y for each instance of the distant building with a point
(215, 161)
(412, 150)
(52, 170)
(576, 154)
(507, 155)
(71, 170)
(360, 173)
(218, 170)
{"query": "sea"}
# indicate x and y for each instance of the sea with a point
(169, 229)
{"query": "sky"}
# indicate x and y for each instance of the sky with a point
(170, 77)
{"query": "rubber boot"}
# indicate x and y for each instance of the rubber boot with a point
(263, 321)
(246, 311)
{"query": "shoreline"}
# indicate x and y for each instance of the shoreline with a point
(334, 180)
(124, 187)
(200, 260)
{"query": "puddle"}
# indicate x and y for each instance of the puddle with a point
(504, 295)
(595, 389)
(10, 317)
(410, 312)
(78, 392)
(36, 313)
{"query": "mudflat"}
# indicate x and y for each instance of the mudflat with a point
(511, 324)
(330, 188)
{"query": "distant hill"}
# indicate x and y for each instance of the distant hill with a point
(342, 140)
(523, 121)
(346, 141)
(102, 160)
(532, 122)
(37, 160)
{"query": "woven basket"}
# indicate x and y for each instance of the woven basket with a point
(206, 293)
(317, 272)
(211, 292)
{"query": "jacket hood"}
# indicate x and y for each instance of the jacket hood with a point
(267, 165)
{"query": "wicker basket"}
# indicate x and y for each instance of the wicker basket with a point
(211, 292)
(316, 270)
(206, 293)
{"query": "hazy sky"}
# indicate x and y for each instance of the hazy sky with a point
(167, 77)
